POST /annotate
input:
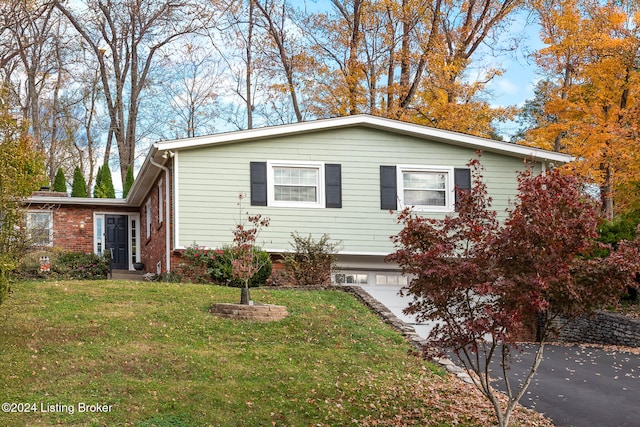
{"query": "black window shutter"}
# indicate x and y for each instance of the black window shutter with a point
(462, 178)
(333, 185)
(258, 173)
(388, 188)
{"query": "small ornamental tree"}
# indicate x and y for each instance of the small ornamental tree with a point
(128, 182)
(60, 182)
(484, 283)
(79, 185)
(245, 263)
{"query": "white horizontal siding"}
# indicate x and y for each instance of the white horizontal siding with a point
(211, 178)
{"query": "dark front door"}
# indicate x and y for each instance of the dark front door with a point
(117, 240)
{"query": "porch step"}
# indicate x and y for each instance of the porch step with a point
(127, 275)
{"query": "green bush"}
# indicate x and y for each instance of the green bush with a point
(310, 263)
(215, 265)
(79, 265)
(64, 265)
(618, 229)
(220, 268)
(5, 288)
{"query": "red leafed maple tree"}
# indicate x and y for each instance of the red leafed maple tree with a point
(484, 282)
(245, 263)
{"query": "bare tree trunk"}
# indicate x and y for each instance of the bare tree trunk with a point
(129, 28)
(606, 193)
(353, 66)
(408, 91)
(391, 93)
(248, 76)
(277, 34)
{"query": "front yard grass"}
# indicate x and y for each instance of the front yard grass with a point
(154, 356)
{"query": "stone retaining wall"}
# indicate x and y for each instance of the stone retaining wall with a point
(603, 328)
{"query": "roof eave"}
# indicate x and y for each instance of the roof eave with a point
(380, 123)
(86, 201)
(146, 176)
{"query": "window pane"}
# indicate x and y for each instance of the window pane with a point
(425, 180)
(295, 176)
(424, 188)
(295, 184)
(134, 240)
(99, 235)
(295, 194)
(39, 224)
(424, 198)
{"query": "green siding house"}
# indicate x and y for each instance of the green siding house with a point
(344, 177)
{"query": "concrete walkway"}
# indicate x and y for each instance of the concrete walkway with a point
(127, 275)
(388, 296)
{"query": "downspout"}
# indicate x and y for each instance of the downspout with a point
(167, 220)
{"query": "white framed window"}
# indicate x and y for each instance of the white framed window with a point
(351, 278)
(160, 203)
(391, 279)
(40, 227)
(295, 184)
(147, 211)
(98, 226)
(426, 188)
(133, 233)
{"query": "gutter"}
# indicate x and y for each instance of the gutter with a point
(167, 210)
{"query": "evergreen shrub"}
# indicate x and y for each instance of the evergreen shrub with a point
(60, 183)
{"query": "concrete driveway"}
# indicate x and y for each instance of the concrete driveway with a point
(388, 296)
(577, 386)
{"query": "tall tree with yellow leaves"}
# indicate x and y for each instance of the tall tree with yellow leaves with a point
(592, 57)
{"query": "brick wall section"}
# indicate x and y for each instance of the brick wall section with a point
(153, 246)
(67, 219)
(67, 232)
(603, 328)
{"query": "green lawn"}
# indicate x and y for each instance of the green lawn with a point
(154, 356)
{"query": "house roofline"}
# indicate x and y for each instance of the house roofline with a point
(147, 175)
(83, 201)
(411, 129)
(159, 150)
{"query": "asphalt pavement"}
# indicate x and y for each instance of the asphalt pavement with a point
(575, 386)
(582, 386)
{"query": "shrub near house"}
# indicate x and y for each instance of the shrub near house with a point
(204, 265)
(63, 265)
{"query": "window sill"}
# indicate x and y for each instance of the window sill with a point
(428, 209)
